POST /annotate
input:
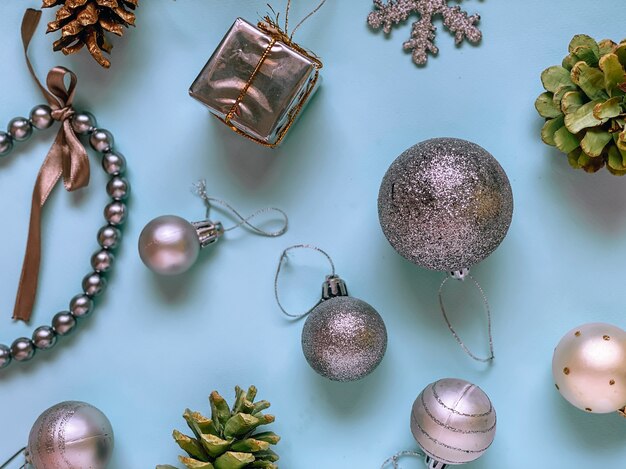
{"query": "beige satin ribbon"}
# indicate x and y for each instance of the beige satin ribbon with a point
(67, 158)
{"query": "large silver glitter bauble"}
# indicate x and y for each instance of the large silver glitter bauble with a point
(169, 245)
(453, 421)
(445, 204)
(70, 435)
(344, 339)
(589, 367)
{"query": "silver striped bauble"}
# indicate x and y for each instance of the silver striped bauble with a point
(453, 421)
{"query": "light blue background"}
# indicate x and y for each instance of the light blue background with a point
(157, 346)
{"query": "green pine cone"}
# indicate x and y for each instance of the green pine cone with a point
(228, 440)
(585, 105)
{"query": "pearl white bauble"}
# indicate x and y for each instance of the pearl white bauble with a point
(589, 367)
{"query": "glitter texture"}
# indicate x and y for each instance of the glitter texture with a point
(445, 204)
(344, 339)
(423, 32)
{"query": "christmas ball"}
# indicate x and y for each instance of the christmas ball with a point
(70, 435)
(445, 204)
(344, 339)
(169, 245)
(453, 421)
(589, 367)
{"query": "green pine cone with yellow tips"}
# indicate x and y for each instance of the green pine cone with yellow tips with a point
(585, 105)
(229, 439)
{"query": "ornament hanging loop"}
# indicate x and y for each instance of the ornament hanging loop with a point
(332, 287)
(210, 231)
(394, 460)
(462, 275)
(12, 458)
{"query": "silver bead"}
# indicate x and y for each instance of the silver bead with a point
(44, 337)
(20, 129)
(115, 213)
(5, 356)
(83, 123)
(101, 140)
(102, 261)
(63, 323)
(118, 188)
(453, 421)
(22, 350)
(169, 245)
(113, 163)
(68, 435)
(109, 237)
(344, 339)
(81, 305)
(6, 143)
(41, 117)
(445, 204)
(94, 284)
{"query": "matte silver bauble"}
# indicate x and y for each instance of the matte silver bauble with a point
(41, 117)
(169, 245)
(344, 339)
(453, 421)
(70, 435)
(589, 367)
(445, 204)
(20, 129)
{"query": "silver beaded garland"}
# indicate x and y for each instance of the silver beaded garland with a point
(6, 143)
(44, 337)
(41, 117)
(83, 123)
(102, 261)
(344, 339)
(81, 305)
(63, 323)
(109, 236)
(101, 140)
(20, 129)
(22, 349)
(445, 204)
(115, 213)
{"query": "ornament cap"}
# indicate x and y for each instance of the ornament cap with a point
(208, 231)
(333, 287)
(460, 274)
(622, 412)
(432, 463)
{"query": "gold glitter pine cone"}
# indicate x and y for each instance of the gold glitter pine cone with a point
(229, 439)
(86, 22)
(585, 105)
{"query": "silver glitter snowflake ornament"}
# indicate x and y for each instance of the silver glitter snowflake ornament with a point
(458, 22)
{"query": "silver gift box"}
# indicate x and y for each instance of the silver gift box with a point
(256, 83)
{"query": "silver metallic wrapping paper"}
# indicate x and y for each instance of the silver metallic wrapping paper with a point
(285, 81)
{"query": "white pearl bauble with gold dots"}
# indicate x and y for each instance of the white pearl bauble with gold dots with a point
(589, 367)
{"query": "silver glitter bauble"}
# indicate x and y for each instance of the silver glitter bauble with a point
(589, 367)
(70, 435)
(445, 204)
(453, 421)
(344, 339)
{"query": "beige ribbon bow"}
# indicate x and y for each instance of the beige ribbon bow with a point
(67, 158)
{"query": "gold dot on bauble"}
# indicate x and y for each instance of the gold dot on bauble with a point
(612, 382)
(577, 333)
(606, 337)
(566, 370)
(588, 409)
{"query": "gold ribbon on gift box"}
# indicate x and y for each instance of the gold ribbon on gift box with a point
(277, 34)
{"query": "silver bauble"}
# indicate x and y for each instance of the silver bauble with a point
(344, 339)
(445, 204)
(589, 367)
(70, 435)
(453, 421)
